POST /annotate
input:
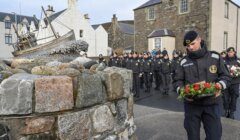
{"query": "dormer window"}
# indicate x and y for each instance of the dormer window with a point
(7, 24)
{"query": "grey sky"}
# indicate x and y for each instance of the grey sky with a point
(99, 11)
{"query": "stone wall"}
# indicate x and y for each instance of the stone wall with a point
(62, 101)
(167, 16)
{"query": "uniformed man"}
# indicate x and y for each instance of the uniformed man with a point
(147, 71)
(232, 92)
(175, 62)
(223, 54)
(140, 58)
(135, 67)
(157, 69)
(165, 73)
(201, 65)
(129, 61)
(114, 61)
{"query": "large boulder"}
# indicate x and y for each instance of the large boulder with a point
(16, 94)
(90, 90)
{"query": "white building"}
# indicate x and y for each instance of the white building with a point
(7, 32)
(72, 19)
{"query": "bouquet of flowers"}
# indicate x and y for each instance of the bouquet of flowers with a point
(199, 90)
(235, 71)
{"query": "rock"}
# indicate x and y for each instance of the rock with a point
(112, 137)
(53, 63)
(5, 75)
(41, 136)
(123, 135)
(80, 60)
(88, 65)
(16, 94)
(53, 93)
(90, 90)
(15, 71)
(38, 125)
(121, 107)
(130, 104)
(74, 126)
(68, 71)
(3, 66)
(114, 85)
(44, 70)
(102, 119)
(127, 78)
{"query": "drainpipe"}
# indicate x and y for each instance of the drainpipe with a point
(237, 29)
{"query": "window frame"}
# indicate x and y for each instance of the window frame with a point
(226, 10)
(80, 33)
(151, 13)
(8, 38)
(8, 24)
(184, 6)
(158, 44)
(225, 40)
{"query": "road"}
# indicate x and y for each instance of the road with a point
(160, 117)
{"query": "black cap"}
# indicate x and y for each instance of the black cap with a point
(230, 49)
(189, 37)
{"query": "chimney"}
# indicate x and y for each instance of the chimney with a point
(86, 16)
(114, 19)
(49, 10)
(72, 4)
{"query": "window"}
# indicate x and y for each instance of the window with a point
(225, 40)
(226, 10)
(158, 43)
(8, 39)
(81, 33)
(7, 24)
(151, 13)
(184, 6)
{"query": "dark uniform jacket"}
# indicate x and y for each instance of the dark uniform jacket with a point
(129, 63)
(202, 66)
(115, 61)
(147, 66)
(157, 64)
(234, 61)
(135, 67)
(166, 66)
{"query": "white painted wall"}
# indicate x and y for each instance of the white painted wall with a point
(101, 41)
(73, 19)
(220, 24)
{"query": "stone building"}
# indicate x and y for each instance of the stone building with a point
(120, 33)
(7, 32)
(217, 21)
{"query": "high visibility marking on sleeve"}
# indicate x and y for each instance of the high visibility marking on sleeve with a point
(215, 56)
(183, 61)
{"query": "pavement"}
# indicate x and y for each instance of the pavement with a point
(160, 117)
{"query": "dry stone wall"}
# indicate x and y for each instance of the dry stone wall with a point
(67, 102)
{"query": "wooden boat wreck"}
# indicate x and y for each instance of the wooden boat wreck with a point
(27, 46)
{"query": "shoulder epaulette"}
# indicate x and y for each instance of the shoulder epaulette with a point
(215, 54)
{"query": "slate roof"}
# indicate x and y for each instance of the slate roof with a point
(19, 18)
(149, 3)
(126, 28)
(95, 26)
(161, 33)
(54, 16)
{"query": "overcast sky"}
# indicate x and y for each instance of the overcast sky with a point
(99, 11)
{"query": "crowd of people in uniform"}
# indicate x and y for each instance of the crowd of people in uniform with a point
(148, 68)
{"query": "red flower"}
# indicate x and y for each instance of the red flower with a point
(187, 89)
(196, 87)
(207, 85)
(217, 86)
